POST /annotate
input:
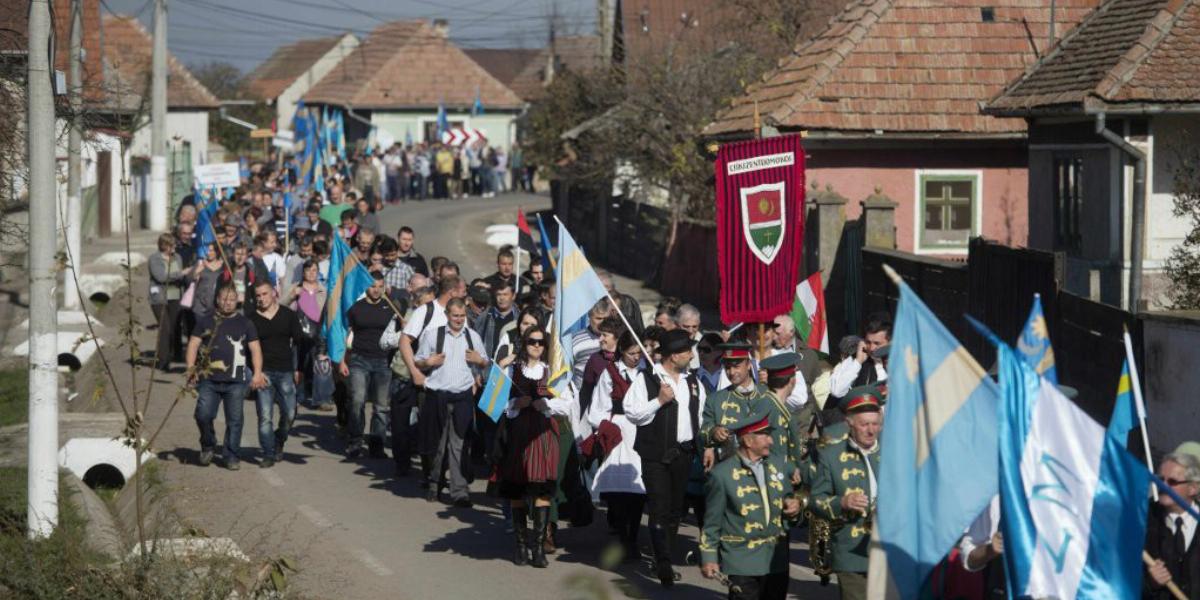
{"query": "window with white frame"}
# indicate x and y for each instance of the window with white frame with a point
(948, 210)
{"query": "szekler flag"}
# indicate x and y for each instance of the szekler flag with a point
(348, 281)
(940, 445)
(1073, 501)
(577, 288)
(1034, 343)
(760, 226)
(808, 313)
(494, 398)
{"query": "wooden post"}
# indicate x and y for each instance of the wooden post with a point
(1175, 591)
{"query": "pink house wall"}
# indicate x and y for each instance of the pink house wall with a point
(855, 173)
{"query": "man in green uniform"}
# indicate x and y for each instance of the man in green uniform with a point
(730, 404)
(781, 380)
(749, 508)
(844, 489)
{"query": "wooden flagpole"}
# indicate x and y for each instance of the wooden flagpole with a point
(1175, 591)
(762, 327)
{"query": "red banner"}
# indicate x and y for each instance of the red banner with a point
(760, 226)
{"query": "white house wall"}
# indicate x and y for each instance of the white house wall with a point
(498, 127)
(285, 104)
(1164, 231)
(182, 126)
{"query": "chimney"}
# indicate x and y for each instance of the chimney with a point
(442, 27)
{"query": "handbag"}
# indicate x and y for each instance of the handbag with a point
(189, 296)
(602, 441)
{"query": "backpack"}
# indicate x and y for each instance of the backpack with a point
(399, 367)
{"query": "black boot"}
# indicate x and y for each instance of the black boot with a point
(541, 526)
(662, 556)
(629, 538)
(520, 519)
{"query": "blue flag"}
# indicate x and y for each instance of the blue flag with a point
(1124, 416)
(348, 281)
(203, 234)
(578, 289)
(494, 399)
(477, 108)
(939, 439)
(340, 138)
(547, 258)
(1034, 343)
(443, 123)
(1072, 499)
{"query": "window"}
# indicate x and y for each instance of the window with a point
(431, 129)
(1068, 202)
(949, 206)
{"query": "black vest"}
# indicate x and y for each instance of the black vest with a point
(657, 437)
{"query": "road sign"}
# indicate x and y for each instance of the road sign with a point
(262, 133)
(220, 175)
(462, 136)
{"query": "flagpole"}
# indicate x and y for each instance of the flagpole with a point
(517, 267)
(385, 296)
(1149, 560)
(1136, 384)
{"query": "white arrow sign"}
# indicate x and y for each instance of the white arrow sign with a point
(457, 137)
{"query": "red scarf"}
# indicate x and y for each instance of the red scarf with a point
(619, 385)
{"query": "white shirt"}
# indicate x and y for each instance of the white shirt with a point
(1189, 525)
(415, 322)
(640, 409)
(980, 533)
(846, 372)
(277, 266)
(455, 374)
(601, 406)
(554, 405)
(866, 454)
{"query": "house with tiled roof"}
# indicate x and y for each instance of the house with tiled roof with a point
(398, 78)
(1109, 112)
(505, 64)
(574, 53)
(888, 97)
(292, 70)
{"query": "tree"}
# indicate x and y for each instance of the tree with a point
(1183, 266)
(227, 82)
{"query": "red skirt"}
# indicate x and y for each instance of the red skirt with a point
(532, 454)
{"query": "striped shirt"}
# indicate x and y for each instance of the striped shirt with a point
(397, 277)
(583, 345)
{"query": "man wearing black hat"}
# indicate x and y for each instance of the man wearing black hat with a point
(845, 488)
(664, 403)
(749, 508)
(729, 404)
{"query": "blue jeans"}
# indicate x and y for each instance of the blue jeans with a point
(212, 394)
(369, 378)
(281, 390)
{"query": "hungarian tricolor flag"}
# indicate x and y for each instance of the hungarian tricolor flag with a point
(808, 313)
(760, 226)
(524, 234)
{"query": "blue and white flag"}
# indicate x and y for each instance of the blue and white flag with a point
(494, 398)
(939, 442)
(1034, 343)
(1072, 500)
(578, 289)
(443, 123)
(477, 107)
(348, 281)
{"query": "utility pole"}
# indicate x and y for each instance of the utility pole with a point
(552, 59)
(43, 318)
(158, 121)
(74, 149)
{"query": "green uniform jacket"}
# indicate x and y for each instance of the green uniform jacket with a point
(724, 407)
(786, 449)
(745, 530)
(840, 470)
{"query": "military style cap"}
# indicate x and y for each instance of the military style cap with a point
(758, 421)
(735, 351)
(781, 365)
(862, 399)
(674, 342)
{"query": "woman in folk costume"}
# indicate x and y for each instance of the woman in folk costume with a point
(529, 468)
(618, 481)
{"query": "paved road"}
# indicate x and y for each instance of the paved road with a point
(359, 533)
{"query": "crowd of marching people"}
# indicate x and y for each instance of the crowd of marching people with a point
(746, 430)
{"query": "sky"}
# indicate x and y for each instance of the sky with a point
(245, 32)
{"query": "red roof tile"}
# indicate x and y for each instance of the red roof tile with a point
(286, 64)
(579, 54)
(1139, 51)
(912, 66)
(127, 55)
(503, 63)
(410, 64)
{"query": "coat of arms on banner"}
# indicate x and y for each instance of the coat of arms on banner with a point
(764, 219)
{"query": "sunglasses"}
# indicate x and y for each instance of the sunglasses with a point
(535, 342)
(1175, 482)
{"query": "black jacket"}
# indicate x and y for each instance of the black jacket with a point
(1185, 570)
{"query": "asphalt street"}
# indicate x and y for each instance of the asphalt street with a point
(357, 532)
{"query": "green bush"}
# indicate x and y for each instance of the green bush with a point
(14, 396)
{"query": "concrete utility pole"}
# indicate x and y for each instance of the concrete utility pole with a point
(74, 149)
(158, 121)
(43, 318)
